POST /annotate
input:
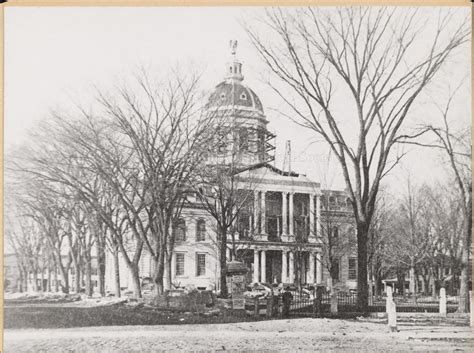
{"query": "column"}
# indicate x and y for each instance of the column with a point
(264, 266)
(263, 228)
(255, 211)
(229, 255)
(319, 268)
(292, 268)
(311, 215)
(284, 213)
(255, 265)
(290, 201)
(311, 268)
(318, 215)
(284, 268)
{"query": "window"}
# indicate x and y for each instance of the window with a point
(352, 269)
(335, 232)
(179, 230)
(200, 230)
(332, 200)
(243, 96)
(243, 139)
(348, 202)
(179, 264)
(200, 264)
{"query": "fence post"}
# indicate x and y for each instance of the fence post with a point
(391, 310)
(334, 302)
(442, 302)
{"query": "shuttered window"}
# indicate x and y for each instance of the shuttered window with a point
(201, 230)
(352, 269)
(200, 264)
(179, 264)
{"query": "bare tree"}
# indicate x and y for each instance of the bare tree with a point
(167, 135)
(455, 144)
(369, 52)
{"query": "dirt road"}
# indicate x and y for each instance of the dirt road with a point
(282, 335)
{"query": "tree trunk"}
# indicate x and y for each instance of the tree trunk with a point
(42, 289)
(223, 263)
(136, 287)
(117, 274)
(464, 279)
(88, 277)
(77, 280)
(401, 282)
(100, 266)
(64, 279)
(35, 280)
(56, 283)
(158, 274)
(48, 288)
(362, 285)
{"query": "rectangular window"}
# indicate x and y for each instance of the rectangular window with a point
(352, 269)
(201, 230)
(200, 264)
(179, 264)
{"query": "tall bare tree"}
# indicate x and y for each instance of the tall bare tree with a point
(370, 55)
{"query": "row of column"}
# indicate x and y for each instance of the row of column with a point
(260, 257)
(287, 213)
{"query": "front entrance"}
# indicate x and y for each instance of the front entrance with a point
(273, 266)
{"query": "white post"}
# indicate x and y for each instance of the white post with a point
(255, 265)
(442, 302)
(284, 213)
(284, 267)
(292, 268)
(229, 255)
(318, 216)
(391, 310)
(263, 225)
(319, 269)
(263, 266)
(311, 268)
(311, 216)
(290, 201)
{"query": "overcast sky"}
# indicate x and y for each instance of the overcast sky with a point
(53, 55)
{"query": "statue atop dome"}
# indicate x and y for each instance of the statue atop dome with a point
(233, 46)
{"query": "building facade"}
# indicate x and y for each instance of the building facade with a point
(280, 235)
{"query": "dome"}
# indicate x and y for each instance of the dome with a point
(233, 93)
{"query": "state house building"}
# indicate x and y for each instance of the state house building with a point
(280, 238)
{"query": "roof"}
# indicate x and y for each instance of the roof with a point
(232, 93)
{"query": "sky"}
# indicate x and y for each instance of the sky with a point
(54, 55)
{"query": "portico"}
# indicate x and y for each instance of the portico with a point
(276, 264)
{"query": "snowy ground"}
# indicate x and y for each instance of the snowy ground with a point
(277, 335)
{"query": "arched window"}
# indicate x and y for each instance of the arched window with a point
(332, 200)
(348, 202)
(200, 230)
(243, 139)
(335, 232)
(179, 230)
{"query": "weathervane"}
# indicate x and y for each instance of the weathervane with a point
(233, 46)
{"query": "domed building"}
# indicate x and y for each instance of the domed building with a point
(242, 109)
(278, 235)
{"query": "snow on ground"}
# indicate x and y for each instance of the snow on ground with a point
(277, 335)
